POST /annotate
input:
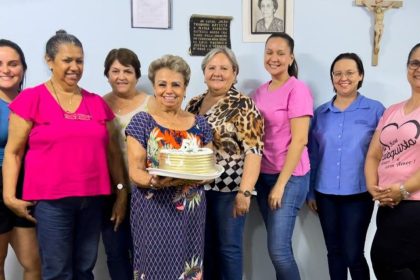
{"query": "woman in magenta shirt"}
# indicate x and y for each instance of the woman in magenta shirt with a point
(287, 106)
(66, 131)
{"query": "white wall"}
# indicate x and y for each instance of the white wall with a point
(322, 30)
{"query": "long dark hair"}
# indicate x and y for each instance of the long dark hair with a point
(13, 45)
(292, 69)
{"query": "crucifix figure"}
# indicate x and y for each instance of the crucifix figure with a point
(378, 8)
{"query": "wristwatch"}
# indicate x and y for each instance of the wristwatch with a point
(404, 193)
(245, 193)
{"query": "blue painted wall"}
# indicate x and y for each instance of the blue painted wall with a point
(322, 29)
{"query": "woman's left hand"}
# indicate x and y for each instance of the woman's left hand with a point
(159, 182)
(275, 196)
(241, 205)
(389, 195)
(119, 209)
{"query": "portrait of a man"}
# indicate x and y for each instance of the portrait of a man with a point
(267, 16)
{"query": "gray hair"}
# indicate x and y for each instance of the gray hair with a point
(226, 51)
(172, 62)
(60, 37)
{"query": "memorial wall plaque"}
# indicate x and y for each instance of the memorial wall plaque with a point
(208, 32)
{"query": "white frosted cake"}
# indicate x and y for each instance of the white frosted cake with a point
(188, 159)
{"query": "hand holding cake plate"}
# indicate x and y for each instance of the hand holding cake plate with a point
(187, 176)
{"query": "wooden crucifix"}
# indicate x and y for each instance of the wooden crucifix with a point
(378, 8)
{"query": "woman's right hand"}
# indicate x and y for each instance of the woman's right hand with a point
(312, 205)
(21, 208)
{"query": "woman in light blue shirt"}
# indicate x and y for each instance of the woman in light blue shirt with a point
(339, 139)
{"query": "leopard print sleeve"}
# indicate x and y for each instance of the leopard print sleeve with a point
(250, 127)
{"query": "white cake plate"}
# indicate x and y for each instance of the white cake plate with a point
(188, 176)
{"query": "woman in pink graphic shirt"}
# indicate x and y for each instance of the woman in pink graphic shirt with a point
(393, 178)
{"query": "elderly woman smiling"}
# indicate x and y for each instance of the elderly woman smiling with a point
(167, 216)
(238, 129)
(269, 23)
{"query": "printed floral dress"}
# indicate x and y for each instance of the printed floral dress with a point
(167, 225)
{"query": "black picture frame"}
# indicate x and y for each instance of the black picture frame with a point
(251, 14)
(278, 24)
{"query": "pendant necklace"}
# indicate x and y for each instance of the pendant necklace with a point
(122, 108)
(58, 99)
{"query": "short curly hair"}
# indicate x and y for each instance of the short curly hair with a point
(172, 62)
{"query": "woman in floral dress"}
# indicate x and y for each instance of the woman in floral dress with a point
(167, 214)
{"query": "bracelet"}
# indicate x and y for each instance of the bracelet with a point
(150, 183)
(404, 193)
(247, 193)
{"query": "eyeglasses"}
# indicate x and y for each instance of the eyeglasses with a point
(414, 64)
(347, 74)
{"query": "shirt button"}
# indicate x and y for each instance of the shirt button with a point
(338, 163)
(340, 124)
(339, 149)
(339, 135)
(338, 177)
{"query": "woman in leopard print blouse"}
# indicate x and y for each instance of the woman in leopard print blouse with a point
(238, 129)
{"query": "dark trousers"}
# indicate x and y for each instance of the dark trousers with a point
(395, 249)
(344, 221)
(118, 244)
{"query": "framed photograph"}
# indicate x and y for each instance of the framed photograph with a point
(151, 14)
(263, 17)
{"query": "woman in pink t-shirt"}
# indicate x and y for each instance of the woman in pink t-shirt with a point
(287, 106)
(392, 172)
(66, 132)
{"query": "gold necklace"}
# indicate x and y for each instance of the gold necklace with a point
(58, 99)
(121, 108)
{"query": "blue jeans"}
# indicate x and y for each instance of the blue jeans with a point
(345, 220)
(68, 235)
(223, 239)
(280, 223)
(118, 244)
